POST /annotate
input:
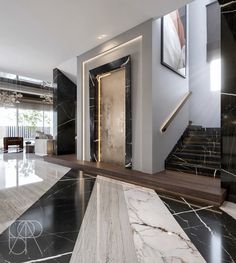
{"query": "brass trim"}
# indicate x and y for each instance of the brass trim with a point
(167, 123)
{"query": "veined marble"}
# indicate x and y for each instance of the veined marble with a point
(105, 234)
(23, 180)
(48, 230)
(229, 208)
(127, 223)
(157, 235)
(212, 232)
(95, 220)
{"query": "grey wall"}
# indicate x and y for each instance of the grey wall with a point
(168, 89)
(69, 68)
(204, 103)
(156, 91)
(136, 42)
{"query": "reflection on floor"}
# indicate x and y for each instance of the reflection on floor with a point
(213, 232)
(88, 219)
(23, 180)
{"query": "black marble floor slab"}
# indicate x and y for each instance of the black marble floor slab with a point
(212, 231)
(48, 230)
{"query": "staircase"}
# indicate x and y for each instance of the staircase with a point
(198, 151)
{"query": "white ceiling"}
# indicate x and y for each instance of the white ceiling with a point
(38, 35)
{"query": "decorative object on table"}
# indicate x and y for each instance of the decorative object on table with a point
(42, 135)
(174, 41)
(29, 148)
(8, 98)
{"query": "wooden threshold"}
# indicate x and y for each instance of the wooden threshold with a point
(198, 189)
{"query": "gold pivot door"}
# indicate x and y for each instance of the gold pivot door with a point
(111, 112)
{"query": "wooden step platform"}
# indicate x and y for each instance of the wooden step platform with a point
(197, 189)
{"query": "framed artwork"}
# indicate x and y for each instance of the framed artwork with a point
(174, 41)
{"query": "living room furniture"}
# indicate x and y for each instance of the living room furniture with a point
(18, 141)
(29, 148)
(43, 147)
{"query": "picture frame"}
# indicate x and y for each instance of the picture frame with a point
(174, 41)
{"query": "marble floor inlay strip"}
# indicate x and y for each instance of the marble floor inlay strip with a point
(157, 235)
(48, 230)
(105, 234)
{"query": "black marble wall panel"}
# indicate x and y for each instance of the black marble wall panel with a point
(64, 107)
(125, 63)
(228, 96)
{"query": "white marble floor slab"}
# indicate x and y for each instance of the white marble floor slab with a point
(105, 234)
(229, 208)
(157, 235)
(127, 223)
(23, 180)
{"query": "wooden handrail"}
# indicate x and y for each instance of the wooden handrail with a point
(167, 123)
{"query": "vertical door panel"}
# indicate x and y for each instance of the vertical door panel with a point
(112, 118)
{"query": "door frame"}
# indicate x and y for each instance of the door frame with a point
(124, 62)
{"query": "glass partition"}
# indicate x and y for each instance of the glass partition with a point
(24, 120)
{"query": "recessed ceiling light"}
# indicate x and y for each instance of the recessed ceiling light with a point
(101, 36)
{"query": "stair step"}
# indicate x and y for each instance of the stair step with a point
(193, 147)
(188, 141)
(198, 151)
(204, 138)
(181, 161)
(195, 156)
(204, 133)
(193, 169)
(195, 128)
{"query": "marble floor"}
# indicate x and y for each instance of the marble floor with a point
(49, 213)
(24, 178)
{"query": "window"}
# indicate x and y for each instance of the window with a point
(215, 74)
(24, 120)
(213, 31)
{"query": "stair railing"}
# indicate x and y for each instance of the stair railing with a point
(167, 123)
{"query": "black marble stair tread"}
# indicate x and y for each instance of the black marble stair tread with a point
(198, 151)
(195, 128)
(204, 133)
(198, 142)
(197, 156)
(176, 159)
(201, 147)
(200, 128)
(198, 171)
(202, 139)
(190, 165)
